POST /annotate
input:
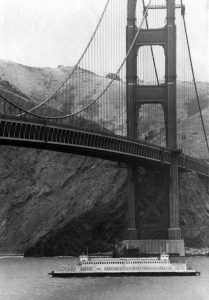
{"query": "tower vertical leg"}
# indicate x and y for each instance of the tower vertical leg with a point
(131, 78)
(131, 233)
(174, 232)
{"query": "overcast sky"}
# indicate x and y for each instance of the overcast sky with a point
(51, 32)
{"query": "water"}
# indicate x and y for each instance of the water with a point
(26, 278)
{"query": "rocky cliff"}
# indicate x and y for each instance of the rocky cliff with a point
(57, 204)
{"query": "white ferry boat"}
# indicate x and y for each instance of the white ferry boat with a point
(102, 266)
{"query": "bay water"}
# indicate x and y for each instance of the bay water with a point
(28, 279)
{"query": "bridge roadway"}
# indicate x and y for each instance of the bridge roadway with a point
(36, 134)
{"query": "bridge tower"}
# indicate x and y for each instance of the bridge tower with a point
(165, 95)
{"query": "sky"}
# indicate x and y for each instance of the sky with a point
(45, 33)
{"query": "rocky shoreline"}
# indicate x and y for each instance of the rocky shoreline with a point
(196, 251)
(188, 252)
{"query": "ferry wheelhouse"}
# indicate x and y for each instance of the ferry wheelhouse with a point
(106, 266)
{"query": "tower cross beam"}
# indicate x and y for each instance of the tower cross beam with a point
(179, 6)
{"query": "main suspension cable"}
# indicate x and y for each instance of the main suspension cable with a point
(101, 94)
(75, 67)
(193, 75)
(151, 48)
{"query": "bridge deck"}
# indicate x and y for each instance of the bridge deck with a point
(28, 133)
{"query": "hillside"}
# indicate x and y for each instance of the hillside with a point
(56, 204)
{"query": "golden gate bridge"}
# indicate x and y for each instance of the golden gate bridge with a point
(125, 100)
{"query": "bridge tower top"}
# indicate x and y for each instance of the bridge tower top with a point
(165, 37)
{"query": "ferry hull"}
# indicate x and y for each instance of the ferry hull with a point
(120, 274)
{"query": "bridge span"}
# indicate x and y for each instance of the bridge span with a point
(41, 135)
